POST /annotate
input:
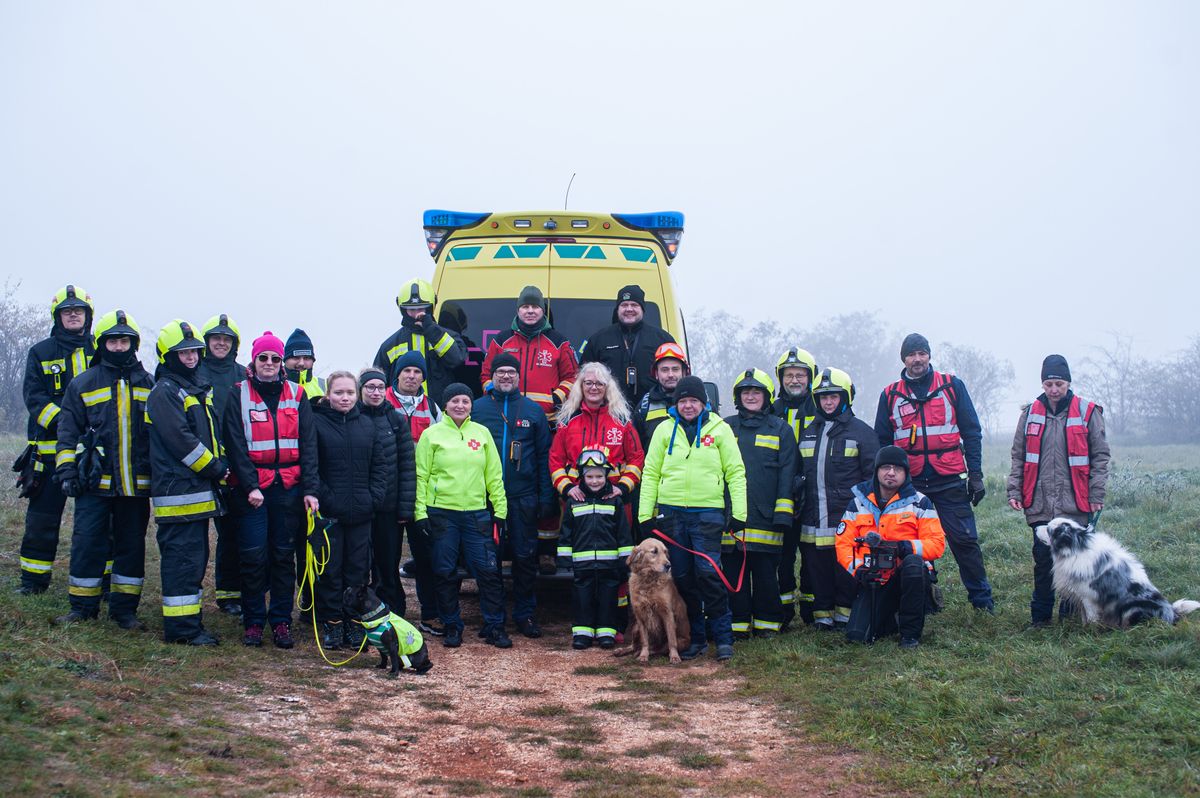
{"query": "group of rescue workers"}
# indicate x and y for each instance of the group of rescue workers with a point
(563, 462)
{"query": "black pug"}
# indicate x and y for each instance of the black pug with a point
(398, 641)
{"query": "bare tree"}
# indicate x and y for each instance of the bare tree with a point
(986, 376)
(21, 326)
(1174, 415)
(1107, 377)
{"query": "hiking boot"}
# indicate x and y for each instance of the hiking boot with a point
(30, 590)
(253, 636)
(74, 616)
(546, 565)
(529, 628)
(724, 652)
(331, 635)
(231, 608)
(129, 623)
(581, 642)
(693, 651)
(498, 638)
(909, 642)
(427, 627)
(281, 635)
(606, 642)
(202, 638)
(453, 638)
(353, 635)
(409, 569)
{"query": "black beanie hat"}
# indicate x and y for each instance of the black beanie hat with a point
(914, 342)
(632, 293)
(531, 295)
(455, 389)
(506, 360)
(891, 455)
(371, 374)
(693, 387)
(298, 344)
(1055, 367)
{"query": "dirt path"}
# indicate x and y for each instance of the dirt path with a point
(542, 720)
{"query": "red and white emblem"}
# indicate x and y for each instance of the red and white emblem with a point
(544, 359)
(707, 440)
(613, 436)
(474, 444)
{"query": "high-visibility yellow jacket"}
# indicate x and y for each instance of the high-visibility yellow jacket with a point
(696, 473)
(458, 468)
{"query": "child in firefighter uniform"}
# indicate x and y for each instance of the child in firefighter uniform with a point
(596, 537)
(187, 472)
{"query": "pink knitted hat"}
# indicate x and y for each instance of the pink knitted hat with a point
(267, 342)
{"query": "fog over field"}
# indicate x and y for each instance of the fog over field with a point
(1018, 177)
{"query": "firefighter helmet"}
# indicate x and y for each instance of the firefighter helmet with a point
(796, 358)
(835, 381)
(176, 336)
(115, 324)
(753, 378)
(71, 296)
(222, 324)
(672, 350)
(416, 293)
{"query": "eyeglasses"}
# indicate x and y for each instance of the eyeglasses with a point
(269, 359)
(594, 384)
(505, 372)
(374, 388)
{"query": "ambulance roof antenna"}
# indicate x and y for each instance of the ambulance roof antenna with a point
(568, 195)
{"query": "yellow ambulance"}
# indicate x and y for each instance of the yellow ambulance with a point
(578, 260)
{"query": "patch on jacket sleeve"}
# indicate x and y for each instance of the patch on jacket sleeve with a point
(841, 528)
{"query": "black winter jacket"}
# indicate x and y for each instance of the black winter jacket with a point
(527, 425)
(798, 413)
(221, 375)
(836, 455)
(652, 411)
(443, 350)
(769, 454)
(353, 465)
(237, 451)
(111, 400)
(399, 454)
(595, 533)
(185, 450)
(52, 363)
(619, 348)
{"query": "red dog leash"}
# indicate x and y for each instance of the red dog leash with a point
(740, 537)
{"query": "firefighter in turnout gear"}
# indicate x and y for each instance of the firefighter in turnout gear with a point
(188, 476)
(220, 371)
(930, 415)
(52, 363)
(670, 366)
(769, 455)
(794, 403)
(103, 460)
(442, 349)
(837, 452)
(595, 541)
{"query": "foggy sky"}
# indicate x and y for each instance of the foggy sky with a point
(1021, 177)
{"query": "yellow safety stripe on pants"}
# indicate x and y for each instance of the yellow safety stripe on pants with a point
(224, 595)
(772, 626)
(806, 597)
(787, 598)
(175, 606)
(586, 631)
(741, 626)
(47, 448)
(605, 631)
(822, 614)
(841, 614)
(84, 586)
(131, 585)
(36, 566)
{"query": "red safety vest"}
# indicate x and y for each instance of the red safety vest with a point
(927, 428)
(1079, 412)
(419, 419)
(273, 442)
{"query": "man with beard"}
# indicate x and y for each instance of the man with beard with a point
(627, 347)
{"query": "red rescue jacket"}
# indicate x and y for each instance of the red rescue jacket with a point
(548, 365)
(273, 441)
(927, 427)
(420, 418)
(1079, 412)
(596, 429)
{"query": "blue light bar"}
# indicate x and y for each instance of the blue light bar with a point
(662, 220)
(451, 219)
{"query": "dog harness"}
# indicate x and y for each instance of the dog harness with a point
(376, 625)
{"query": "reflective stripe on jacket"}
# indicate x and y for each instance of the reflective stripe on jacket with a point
(548, 365)
(768, 453)
(273, 440)
(836, 455)
(594, 428)
(595, 533)
(458, 468)
(185, 451)
(909, 515)
(693, 474)
(927, 428)
(49, 369)
(1079, 412)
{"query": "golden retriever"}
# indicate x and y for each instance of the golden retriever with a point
(660, 619)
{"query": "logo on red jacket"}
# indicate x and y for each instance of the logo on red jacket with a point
(474, 444)
(259, 416)
(614, 436)
(544, 358)
(707, 440)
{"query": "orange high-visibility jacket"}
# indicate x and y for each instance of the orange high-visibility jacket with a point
(910, 515)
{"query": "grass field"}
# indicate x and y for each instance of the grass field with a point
(984, 707)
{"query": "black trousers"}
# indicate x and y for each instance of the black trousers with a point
(228, 566)
(594, 600)
(897, 605)
(349, 566)
(789, 596)
(104, 524)
(756, 606)
(420, 548)
(386, 539)
(183, 553)
(43, 518)
(522, 539)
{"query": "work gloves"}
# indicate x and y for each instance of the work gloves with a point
(975, 489)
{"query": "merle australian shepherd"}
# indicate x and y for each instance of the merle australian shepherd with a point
(1107, 582)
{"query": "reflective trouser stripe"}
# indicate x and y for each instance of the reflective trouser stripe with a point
(564, 551)
(108, 564)
(841, 614)
(788, 598)
(586, 631)
(228, 594)
(36, 566)
(80, 586)
(604, 631)
(548, 534)
(773, 626)
(809, 597)
(127, 584)
(174, 606)
(623, 601)
(823, 615)
(741, 626)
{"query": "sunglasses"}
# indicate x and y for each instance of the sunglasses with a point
(269, 359)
